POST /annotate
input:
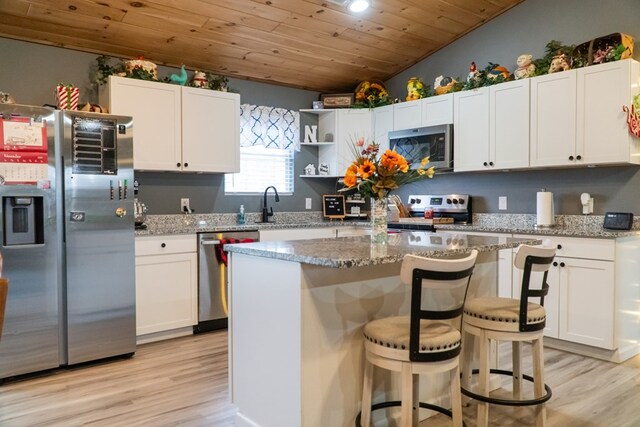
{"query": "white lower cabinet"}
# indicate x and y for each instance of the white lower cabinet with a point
(166, 283)
(580, 305)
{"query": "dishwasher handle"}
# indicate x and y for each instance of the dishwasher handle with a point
(209, 242)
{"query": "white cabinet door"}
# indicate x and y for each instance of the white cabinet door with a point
(210, 131)
(382, 125)
(166, 292)
(471, 127)
(587, 301)
(602, 131)
(509, 126)
(553, 119)
(156, 112)
(437, 110)
(352, 124)
(407, 115)
(297, 234)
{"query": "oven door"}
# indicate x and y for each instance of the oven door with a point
(433, 141)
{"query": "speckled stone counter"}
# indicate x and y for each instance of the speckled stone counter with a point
(565, 225)
(198, 223)
(348, 252)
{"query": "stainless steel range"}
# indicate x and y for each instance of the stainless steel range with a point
(456, 206)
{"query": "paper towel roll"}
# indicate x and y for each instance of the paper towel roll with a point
(544, 209)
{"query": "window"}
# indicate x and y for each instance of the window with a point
(268, 138)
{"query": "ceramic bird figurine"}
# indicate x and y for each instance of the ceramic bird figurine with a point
(180, 79)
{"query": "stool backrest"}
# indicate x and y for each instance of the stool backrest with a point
(447, 281)
(533, 259)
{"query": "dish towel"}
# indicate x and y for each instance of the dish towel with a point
(221, 254)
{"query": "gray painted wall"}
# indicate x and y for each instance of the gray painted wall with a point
(31, 71)
(524, 29)
(527, 28)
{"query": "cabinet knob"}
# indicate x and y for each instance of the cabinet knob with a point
(490, 163)
(562, 264)
(178, 164)
(570, 157)
(559, 246)
(163, 245)
(186, 165)
(485, 164)
(555, 264)
(578, 157)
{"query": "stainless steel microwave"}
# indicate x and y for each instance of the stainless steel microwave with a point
(433, 141)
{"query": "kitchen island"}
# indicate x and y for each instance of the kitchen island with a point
(296, 318)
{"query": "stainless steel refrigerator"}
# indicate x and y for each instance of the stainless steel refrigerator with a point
(67, 240)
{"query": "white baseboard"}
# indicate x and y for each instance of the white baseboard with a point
(164, 335)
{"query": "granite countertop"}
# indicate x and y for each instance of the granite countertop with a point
(202, 223)
(358, 251)
(565, 225)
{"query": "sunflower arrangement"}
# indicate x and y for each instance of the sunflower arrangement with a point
(375, 176)
(371, 94)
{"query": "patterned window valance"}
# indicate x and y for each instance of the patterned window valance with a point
(269, 126)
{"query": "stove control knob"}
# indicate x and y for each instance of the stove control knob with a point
(448, 201)
(412, 201)
(461, 201)
(418, 201)
(455, 201)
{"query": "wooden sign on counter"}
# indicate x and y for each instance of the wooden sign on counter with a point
(333, 206)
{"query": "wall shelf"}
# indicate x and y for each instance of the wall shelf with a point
(320, 176)
(317, 143)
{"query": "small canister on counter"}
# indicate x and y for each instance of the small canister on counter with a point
(428, 213)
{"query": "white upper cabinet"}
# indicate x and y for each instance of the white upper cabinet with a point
(577, 117)
(210, 130)
(407, 115)
(471, 130)
(553, 119)
(382, 125)
(602, 132)
(156, 112)
(437, 110)
(509, 125)
(178, 128)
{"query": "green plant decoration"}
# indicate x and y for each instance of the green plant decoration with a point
(105, 70)
(553, 48)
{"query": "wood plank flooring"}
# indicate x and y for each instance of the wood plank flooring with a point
(184, 382)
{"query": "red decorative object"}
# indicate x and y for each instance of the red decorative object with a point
(67, 97)
(632, 120)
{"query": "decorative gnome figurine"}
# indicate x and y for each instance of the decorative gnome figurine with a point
(525, 67)
(199, 79)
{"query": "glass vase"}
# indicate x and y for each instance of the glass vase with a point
(379, 221)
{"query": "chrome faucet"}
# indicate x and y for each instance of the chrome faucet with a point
(266, 213)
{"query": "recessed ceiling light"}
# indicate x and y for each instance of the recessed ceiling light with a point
(358, 5)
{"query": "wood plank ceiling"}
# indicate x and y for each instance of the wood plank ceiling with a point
(308, 44)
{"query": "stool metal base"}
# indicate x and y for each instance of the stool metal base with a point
(392, 403)
(508, 402)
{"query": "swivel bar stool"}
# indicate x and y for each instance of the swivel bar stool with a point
(515, 320)
(426, 342)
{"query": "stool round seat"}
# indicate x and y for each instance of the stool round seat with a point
(392, 336)
(501, 314)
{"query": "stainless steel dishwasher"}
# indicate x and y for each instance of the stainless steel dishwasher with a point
(213, 304)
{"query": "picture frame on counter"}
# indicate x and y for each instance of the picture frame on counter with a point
(337, 100)
(333, 206)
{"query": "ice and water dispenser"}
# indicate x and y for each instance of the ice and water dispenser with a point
(23, 220)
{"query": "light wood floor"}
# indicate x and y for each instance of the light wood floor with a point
(183, 382)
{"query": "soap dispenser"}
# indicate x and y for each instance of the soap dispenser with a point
(241, 215)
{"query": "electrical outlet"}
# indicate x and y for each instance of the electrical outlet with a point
(307, 203)
(502, 203)
(184, 203)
